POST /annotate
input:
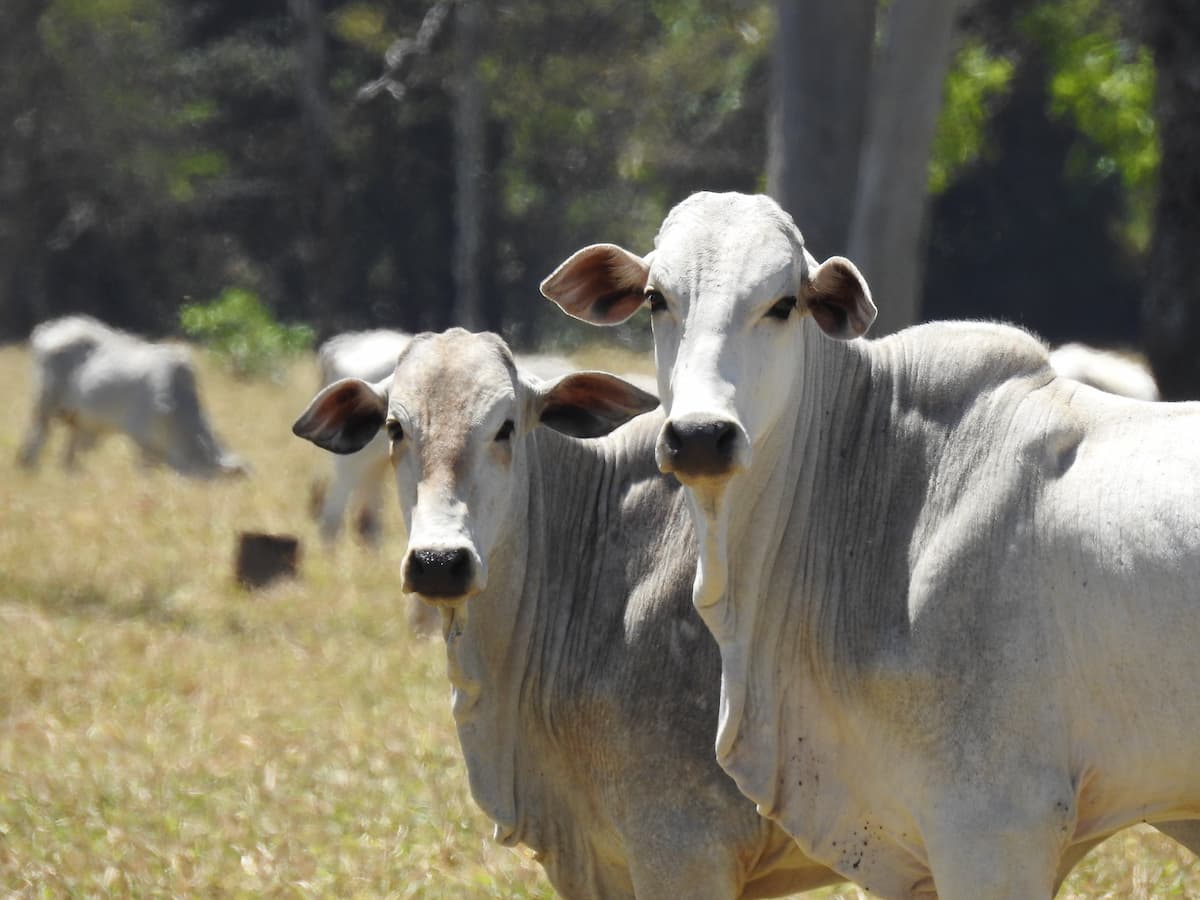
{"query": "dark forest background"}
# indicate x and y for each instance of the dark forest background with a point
(416, 164)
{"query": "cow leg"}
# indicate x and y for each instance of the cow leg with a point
(709, 873)
(675, 852)
(992, 866)
(987, 858)
(149, 458)
(367, 522)
(333, 509)
(317, 489)
(46, 403)
(371, 488)
(79, 441)
(31, 448)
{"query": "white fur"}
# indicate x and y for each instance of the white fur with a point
(96, 380)
(584, 685)
(956, 596)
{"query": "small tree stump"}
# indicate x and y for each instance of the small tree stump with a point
(263, 558)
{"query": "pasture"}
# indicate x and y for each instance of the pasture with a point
(163, 732)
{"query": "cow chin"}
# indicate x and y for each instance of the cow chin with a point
(438, 601)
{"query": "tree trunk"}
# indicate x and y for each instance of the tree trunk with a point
(1171, 306)
(470, 189)
(820, 69)
(320, 202)
(27, 86)
(887, 228)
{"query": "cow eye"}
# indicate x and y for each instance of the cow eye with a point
(505, 431)
(782, 308)
(394, 431)
(656, 300)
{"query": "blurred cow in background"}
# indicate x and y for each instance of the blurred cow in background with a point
(369, 355)
(1106, 370)
(96, 379)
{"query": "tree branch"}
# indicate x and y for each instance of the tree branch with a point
(402, 55)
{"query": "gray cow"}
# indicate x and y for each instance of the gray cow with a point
(95, 379)
(585, 687)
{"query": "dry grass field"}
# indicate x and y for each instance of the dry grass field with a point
(164, 733)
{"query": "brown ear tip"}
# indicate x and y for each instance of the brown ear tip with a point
(548, 285)
(646, 401)
(868, 319)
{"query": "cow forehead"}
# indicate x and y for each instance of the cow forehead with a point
(446, 383)
(735, 244)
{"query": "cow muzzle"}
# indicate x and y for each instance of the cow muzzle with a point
(442, 576)
(694, 448)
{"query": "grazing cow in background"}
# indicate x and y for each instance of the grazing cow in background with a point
(371, 356)
(96, 379)
(1106, 370)
(585, 686)
(957, 598)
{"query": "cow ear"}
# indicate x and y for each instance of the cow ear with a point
(589, 404)
(838, 297)
(602, 284)
(345, 416)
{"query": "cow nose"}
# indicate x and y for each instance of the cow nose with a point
(439, 573)
(699, 447)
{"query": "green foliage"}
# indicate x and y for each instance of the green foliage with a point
(243, 334)
(160, 147)
(364, 25)
(1103, 83)
(624, 110)
(975, 81)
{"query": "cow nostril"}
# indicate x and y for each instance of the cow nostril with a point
(700, 447)
(440, 573)
(671, 437)
(458, 562)
(726, 436)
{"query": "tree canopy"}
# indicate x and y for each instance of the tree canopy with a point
(158, 153)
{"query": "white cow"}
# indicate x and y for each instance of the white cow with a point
(96, 379)
(956, 596)
(584, 685)
(1107, 370)
(371, 356)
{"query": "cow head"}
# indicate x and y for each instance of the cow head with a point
(728, 284)
(458, 414)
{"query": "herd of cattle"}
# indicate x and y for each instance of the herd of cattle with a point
(916, 612)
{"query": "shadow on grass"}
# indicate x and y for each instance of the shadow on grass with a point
(64, 598)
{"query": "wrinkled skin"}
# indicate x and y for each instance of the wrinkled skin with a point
(936, 579)
(585, 687)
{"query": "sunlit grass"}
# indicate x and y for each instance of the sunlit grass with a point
(163, 732)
